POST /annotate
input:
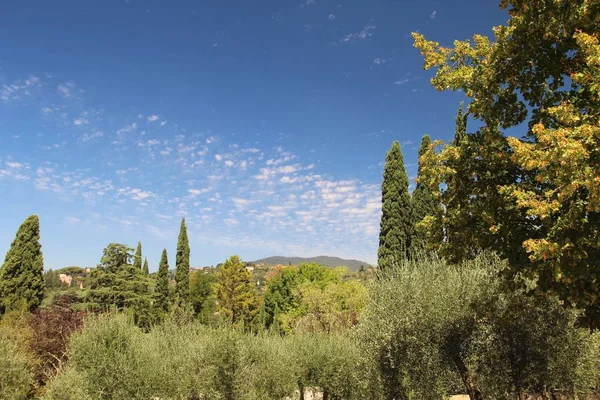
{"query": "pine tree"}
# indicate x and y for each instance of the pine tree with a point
(396, 228)
(137, 260)
(22, 274)
(182, 266)
(424, 204)
(236, 296)
(146, 270)
(162, 284)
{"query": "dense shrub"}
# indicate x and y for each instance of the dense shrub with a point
(435, 329)
(17, 377)
(113, 357)
(51, 328)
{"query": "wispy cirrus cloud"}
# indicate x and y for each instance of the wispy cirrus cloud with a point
(366, 32)
(19, 89)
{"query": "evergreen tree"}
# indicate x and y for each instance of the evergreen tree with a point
(116, 282)
(424, 204)
(22, 274)
(146, 270)
(137, 259)
(396, 228)
(161, 294)
(237, 300)
(182, 266)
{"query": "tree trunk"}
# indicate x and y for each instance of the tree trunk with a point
(301, 389)
(325, 395)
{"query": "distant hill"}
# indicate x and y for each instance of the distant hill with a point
(322, 260)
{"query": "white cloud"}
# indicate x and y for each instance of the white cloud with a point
(153, 118)
(379, 60)
(19, 89)
(218, 157)
(163, 123)
(210, 139)
(231, 221)
(91, 135)
(148, 143)
(331, 16)
(14, 165)
(137, 194)
(433, 14)
(197, 192)
(80, 121)
(66, 89)
(229, 163)
(363, 34)
(240, 203)
(127, 128)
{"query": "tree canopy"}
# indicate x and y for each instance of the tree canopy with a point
(538, 197)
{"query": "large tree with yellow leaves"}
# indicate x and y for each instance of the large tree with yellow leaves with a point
(539, 75)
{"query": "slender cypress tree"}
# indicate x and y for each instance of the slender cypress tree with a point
(396, 228)
(137, 259)
(162, 283)
(182, 266)
(22, 274)
(146, 270)
(424, 203)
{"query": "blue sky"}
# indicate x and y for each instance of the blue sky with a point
(263, 123)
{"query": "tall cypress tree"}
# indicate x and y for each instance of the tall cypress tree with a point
(22, 274)
(161, 294)
(146, 270)
(182, 266)
(137, 259)
(396, 228)
(424, 203)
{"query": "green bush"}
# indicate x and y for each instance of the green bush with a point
(434, 329)
(17, 380)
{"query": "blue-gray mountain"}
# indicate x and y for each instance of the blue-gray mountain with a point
(321, 260)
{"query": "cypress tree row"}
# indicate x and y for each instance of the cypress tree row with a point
(396, 228)
(424, 203)
(162, 284)
(137, 260)
(146, 270)
(22, 274)
(182, 266)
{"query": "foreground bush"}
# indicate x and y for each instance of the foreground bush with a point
(113, 359)
(17, 379)
(435, 329)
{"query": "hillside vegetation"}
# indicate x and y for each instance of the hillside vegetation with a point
(487, 283)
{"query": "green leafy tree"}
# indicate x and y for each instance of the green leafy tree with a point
(161, 292)
(543, 80)
(424, 204)
(312, 297)
(396, 228)
(182, 266)
(145, 269)
(137, 259)
(117, 283)
(236, 297)
(202, 294)
(22, 274)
